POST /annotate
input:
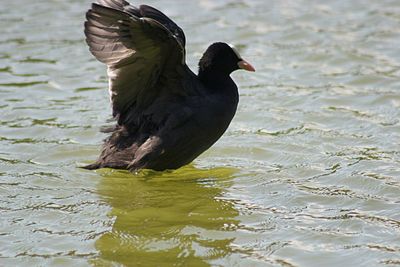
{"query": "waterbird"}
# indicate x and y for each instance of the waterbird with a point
(165, 114)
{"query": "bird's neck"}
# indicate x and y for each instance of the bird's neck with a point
(217, 81)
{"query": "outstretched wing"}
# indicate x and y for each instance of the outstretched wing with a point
(142, 48)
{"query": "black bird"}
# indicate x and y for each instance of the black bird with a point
(166, 115)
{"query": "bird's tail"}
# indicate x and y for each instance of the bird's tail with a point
(92, 166)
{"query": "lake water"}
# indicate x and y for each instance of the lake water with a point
(308, 173)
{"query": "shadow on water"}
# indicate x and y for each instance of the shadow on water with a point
(167, 218)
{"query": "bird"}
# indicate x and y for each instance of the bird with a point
(165, 114)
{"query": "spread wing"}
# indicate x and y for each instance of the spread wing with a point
(142, 48)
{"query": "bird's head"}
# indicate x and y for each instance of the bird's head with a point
(222, 58)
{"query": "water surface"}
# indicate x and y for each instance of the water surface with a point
(308, 174)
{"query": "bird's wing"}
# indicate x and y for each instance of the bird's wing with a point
(143, 49)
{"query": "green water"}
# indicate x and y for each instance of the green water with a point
(308, 174)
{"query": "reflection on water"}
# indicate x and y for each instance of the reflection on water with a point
(162, 217)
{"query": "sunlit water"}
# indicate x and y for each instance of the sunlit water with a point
(308, 174)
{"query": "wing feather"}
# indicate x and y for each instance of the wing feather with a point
(136, 44)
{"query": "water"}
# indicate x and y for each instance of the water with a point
(308, 174)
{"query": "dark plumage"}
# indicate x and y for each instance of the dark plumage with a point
(166, 115)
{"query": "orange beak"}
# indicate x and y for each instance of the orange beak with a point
(243, 64)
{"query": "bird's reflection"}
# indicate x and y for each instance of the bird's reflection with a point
(167, 218)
